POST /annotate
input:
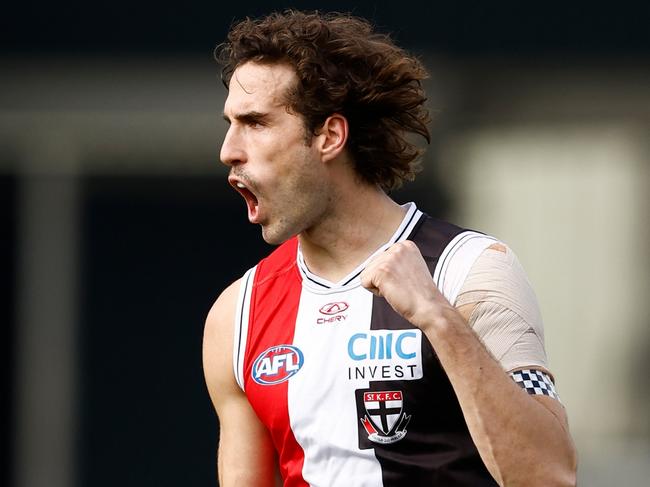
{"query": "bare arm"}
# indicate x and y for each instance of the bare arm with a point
(522, 439)
(246, 455)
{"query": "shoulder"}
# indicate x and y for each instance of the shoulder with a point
(447, 244)
(432, 235)
(218, 331)
(222, 313)
(497, 268)
(218, 344)
(220, 324)
(223, 309)
(450, 251)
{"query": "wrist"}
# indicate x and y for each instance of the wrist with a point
(433, 316)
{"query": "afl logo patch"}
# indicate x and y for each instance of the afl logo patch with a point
(277, 364)
(334, 308)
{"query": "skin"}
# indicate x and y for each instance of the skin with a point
(266, 150)
(311, 190)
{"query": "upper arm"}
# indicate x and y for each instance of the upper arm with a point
(522, 343)
(501, 307)
(499, 304)
(246, 454)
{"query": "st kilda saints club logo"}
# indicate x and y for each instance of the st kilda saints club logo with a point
(383, 417)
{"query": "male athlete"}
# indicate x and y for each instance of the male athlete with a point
(375, 346)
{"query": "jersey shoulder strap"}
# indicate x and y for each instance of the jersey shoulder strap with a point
(456, 261)
(450, 251)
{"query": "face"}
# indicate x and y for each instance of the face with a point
(272, 165)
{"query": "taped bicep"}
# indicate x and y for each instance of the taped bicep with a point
(505, 313)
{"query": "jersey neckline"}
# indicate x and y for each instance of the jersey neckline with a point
(322, 285)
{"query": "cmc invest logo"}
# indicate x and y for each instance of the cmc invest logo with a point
(334, 308)
(277, 364)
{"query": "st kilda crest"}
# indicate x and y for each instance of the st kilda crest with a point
(382, 415)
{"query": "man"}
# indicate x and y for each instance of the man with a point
(375, 345)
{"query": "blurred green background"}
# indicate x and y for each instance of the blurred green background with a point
(119, 229)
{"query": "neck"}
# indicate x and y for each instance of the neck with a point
(358, 223)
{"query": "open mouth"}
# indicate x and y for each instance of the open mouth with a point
(249, 197)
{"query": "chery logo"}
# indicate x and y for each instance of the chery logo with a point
(334, 308)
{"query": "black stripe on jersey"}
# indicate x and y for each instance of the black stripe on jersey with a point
(432, 237)
(437, 449)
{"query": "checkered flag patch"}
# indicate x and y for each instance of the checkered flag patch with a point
(535, 382)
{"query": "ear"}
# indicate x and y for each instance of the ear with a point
(332, 137)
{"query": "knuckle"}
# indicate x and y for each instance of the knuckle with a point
(384, 269)
(398, 248)
(410, 245)
(405, 246)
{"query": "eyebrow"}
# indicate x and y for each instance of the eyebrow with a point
(248, 117)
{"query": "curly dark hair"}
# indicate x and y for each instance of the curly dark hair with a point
(343, 66)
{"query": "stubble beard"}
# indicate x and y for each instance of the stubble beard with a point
(304, 204)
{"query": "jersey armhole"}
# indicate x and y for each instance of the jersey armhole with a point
(242, 315)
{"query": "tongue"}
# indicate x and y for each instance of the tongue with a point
(253, 207)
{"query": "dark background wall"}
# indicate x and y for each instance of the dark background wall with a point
(8, 253)
(593, 28)
(156, 253)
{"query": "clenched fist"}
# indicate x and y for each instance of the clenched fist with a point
(401, 276)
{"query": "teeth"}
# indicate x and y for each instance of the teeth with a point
(240, 185)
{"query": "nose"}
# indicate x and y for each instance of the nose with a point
(232, 149)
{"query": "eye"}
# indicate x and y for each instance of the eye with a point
(256, 124)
